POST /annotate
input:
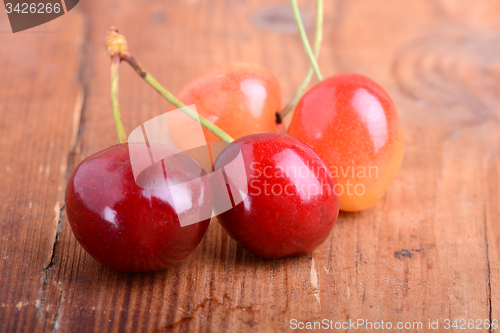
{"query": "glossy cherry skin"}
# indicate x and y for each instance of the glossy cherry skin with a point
(291, 206)
(127, 227)
(240, 98)
(354, 124)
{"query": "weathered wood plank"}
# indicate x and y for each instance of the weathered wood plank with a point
(40, 104)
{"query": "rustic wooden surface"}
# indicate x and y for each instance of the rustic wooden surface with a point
(430, 250)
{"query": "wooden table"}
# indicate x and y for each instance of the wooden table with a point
(430, 250)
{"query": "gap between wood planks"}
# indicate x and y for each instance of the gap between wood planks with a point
(487, 259)
(76, 139)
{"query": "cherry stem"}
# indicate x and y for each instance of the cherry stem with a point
(115, 76)
(305, 42)
(318, 38)
(117, 45)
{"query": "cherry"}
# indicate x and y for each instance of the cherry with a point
(240, 98)
(354, 124)
(131, 228)
(286, 204)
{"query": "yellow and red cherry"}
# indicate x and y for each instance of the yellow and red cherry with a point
(240, 98)
(354, 124)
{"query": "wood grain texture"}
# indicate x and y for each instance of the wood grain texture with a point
(430, 250)
(40, 101)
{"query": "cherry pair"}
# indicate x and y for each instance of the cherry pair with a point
(348, 118)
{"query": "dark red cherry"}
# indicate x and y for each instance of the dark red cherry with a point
(284, 197)
(137, 228)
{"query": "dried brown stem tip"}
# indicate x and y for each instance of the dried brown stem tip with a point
(116, 43)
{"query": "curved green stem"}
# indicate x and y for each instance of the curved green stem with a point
(305, 42)
(318, 38)
(117, 47)
(188, 111)
(115, 76)
(127, 56)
